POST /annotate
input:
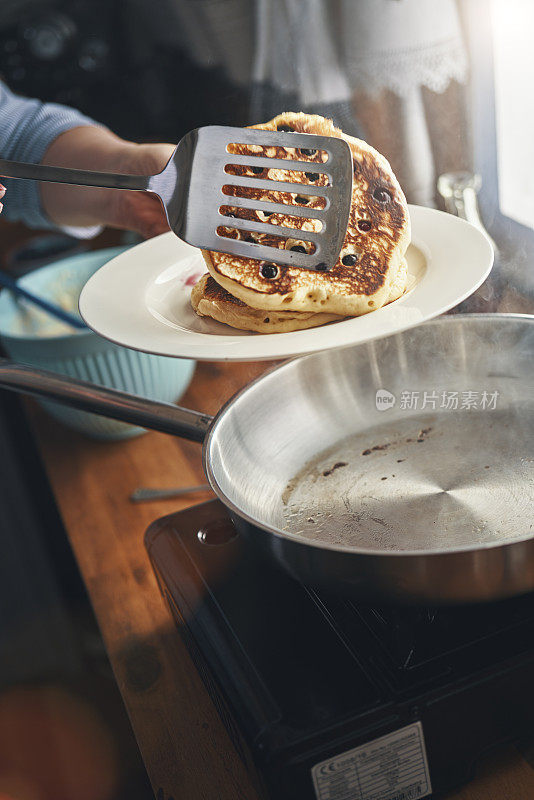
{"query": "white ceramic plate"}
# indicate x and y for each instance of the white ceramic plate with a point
(140, 299)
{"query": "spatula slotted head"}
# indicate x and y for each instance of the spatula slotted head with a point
(207, 165)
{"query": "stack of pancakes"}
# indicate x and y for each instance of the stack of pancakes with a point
(371, 268)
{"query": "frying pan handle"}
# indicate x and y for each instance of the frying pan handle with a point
(158, 416)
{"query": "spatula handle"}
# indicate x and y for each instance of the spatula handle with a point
(78, 177)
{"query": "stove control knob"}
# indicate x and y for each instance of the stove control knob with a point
(220, 531)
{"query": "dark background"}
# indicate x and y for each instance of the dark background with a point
(113, 60)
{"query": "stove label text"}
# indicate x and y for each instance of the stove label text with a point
(393, 767)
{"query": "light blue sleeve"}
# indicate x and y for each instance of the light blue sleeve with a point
(27, 128)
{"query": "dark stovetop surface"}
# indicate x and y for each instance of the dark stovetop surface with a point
(300, 659)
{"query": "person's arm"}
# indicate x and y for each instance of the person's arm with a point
(49, 133)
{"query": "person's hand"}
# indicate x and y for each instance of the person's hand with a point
(2, 193)
(100, 150)
(138, 211)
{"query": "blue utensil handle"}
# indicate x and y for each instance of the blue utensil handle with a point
(10, 283)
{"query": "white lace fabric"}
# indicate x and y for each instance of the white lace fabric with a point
(321, 50)
(403, 70)
(401, 45)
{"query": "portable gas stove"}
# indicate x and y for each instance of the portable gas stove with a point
(328, 699)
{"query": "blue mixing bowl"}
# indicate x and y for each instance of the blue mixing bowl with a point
(31, 336)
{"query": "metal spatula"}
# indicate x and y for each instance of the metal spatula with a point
(191, 190)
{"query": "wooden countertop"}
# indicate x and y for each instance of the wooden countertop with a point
(186, 749)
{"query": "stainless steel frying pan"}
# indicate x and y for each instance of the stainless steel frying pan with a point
(397, 471)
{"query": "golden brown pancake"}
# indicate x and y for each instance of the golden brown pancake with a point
(398, 285)
(211, 300)
(371, 264)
